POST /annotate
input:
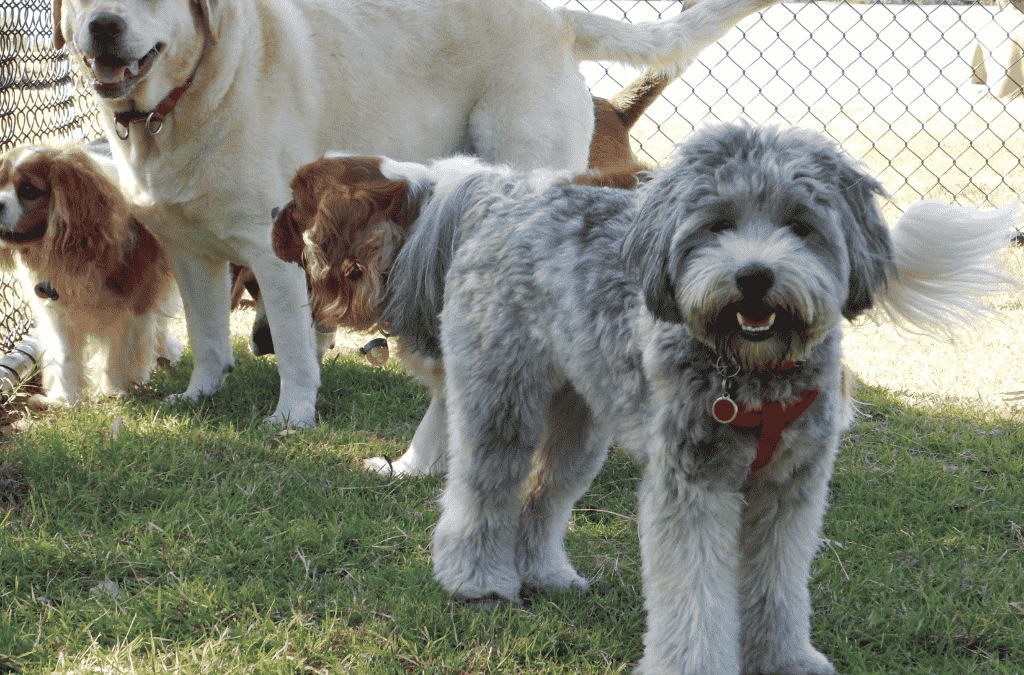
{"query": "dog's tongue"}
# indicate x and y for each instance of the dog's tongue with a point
(112, 72)
(762, 323)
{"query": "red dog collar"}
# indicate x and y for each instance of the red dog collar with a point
(155, 118)
(771, 420)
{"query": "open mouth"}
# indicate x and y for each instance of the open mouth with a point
(116, 78)
(752, 321)
(755, 326)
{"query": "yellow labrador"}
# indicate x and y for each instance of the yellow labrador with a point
(211, 106)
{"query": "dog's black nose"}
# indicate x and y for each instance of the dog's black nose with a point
(754, 281)
(107, 28)
(274, 211)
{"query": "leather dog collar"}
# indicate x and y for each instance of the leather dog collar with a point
(768, 421)
(155, 118)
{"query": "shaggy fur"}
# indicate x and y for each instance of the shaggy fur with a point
(69, 225)
(574, 317)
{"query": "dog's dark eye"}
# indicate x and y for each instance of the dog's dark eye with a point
(800, 228)
(28, 192)
(721, 225)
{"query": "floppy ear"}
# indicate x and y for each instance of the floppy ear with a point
(347, 215)
(358, 231)
(88, 214)
(646, 250)
(286, 237)
(208, 9)
(867, 237)
(58, 34)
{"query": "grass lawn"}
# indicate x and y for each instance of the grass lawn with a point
(137, 537)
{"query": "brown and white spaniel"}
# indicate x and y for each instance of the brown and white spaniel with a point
(95, 268)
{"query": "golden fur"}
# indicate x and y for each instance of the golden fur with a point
(69, 224)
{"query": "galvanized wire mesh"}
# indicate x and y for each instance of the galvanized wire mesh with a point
(894, 83)
(42, 101)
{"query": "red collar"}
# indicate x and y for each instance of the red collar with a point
(769, 421)
(155, 118)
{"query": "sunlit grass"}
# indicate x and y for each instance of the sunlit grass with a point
(192, 539)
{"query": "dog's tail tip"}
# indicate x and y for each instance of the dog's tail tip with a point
(945, 265)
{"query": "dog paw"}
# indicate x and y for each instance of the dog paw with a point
(395, 469)
(556, 579)
(295, 419)
(486, 604)
(41, 403)
(808, 661)
(490, 582)
(172, 399)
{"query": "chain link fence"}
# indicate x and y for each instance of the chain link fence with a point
(42, 101)
(899, 85)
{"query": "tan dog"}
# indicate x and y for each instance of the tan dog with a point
(610, 151)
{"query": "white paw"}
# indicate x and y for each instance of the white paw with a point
(808, 661)
(471, 565)
(170, 349)
(296, 417)
(39, 403)
(556, 579)
(496, 585)
(395, 469)
(183, 396)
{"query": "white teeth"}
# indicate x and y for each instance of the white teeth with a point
(758, 327)
(134, 68)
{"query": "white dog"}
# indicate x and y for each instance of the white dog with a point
(211, 105)
(695, 322)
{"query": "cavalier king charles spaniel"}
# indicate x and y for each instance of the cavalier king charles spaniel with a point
(96, 270)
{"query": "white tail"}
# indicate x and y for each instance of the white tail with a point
(668, 46)
(944, 264)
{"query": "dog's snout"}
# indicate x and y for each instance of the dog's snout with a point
(755, 281)
(107, 28)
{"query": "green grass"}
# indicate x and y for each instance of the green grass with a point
(191, 539)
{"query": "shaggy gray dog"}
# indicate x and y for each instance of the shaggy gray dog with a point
(694, 322)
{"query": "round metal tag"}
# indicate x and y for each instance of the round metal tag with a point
(724, 410)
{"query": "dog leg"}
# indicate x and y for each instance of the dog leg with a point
(167, 346)
(260, 341)
(566, 461)
(474, 540)
(781, 534)
(64, 364)
(283, 291)
(689, 545)
(205, 294)
(132, 353)
(428, 453)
